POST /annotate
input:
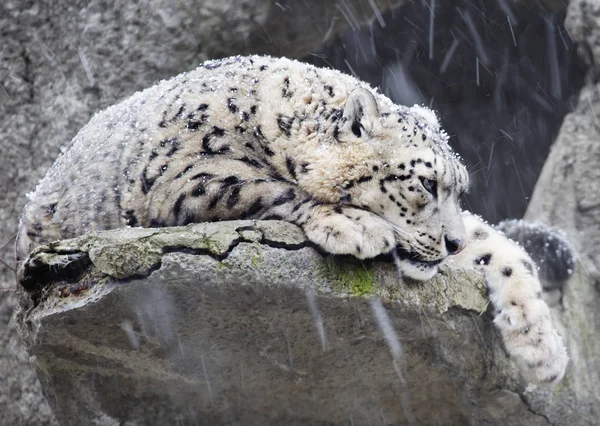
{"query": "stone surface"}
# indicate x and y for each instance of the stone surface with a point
(567, 195)
(245, 322)
(62, 61)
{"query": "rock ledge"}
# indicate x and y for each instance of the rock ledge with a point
(246, 322)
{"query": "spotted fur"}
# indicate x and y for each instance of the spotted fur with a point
(263, 138)
(515, 292)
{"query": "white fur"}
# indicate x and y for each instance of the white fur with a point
(521, 315)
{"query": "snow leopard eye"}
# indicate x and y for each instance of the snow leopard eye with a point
(430, 185)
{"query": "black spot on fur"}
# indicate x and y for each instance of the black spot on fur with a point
(291, 166)
(268, 151)
(249, 145)
(253, 109)
(215, 132)
(285, 91)
(258, 133)
(506, 271)
(287, 196)
(212, 65)
(263, 67)
(480, 234)
(203, 176)
(146, 181)
(188, 218)
(304, 167)
(50, 208)
(329, 90)
(177, 205)
(527, 266)
(336, 133)
(130, 218)
(356, 128)
(337, 209)
(234, 197)
(229, 180)
(253, 209)
(231, 105)
(364, 179)
(199, 190)
(245, 116)
(157, 223)
(252, 162)
(484, 259)
(300, 204)
(272, 217)
(375, 169)
(175, 144)
(202, 107)
(194, 123)
(285, 124)
(179, 113)
(428, 164)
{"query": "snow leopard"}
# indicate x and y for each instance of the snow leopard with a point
(268, 138)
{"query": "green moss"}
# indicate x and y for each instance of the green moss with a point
(257, 258)
(209, 244)
(349, 277)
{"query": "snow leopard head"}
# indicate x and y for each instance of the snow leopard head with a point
(398, 165)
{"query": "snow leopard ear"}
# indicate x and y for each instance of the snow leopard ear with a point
(360, 112)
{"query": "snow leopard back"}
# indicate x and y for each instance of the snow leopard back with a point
(242, 137)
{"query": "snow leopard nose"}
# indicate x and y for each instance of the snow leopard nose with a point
(454, 245)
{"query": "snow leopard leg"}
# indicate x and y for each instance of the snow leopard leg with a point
(337, 229)
(515, 292)
(341, 229)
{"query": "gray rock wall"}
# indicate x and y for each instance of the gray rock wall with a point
(567, 195)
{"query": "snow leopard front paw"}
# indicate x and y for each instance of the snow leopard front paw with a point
(515, 290)
(532, 341)
(347, 230)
